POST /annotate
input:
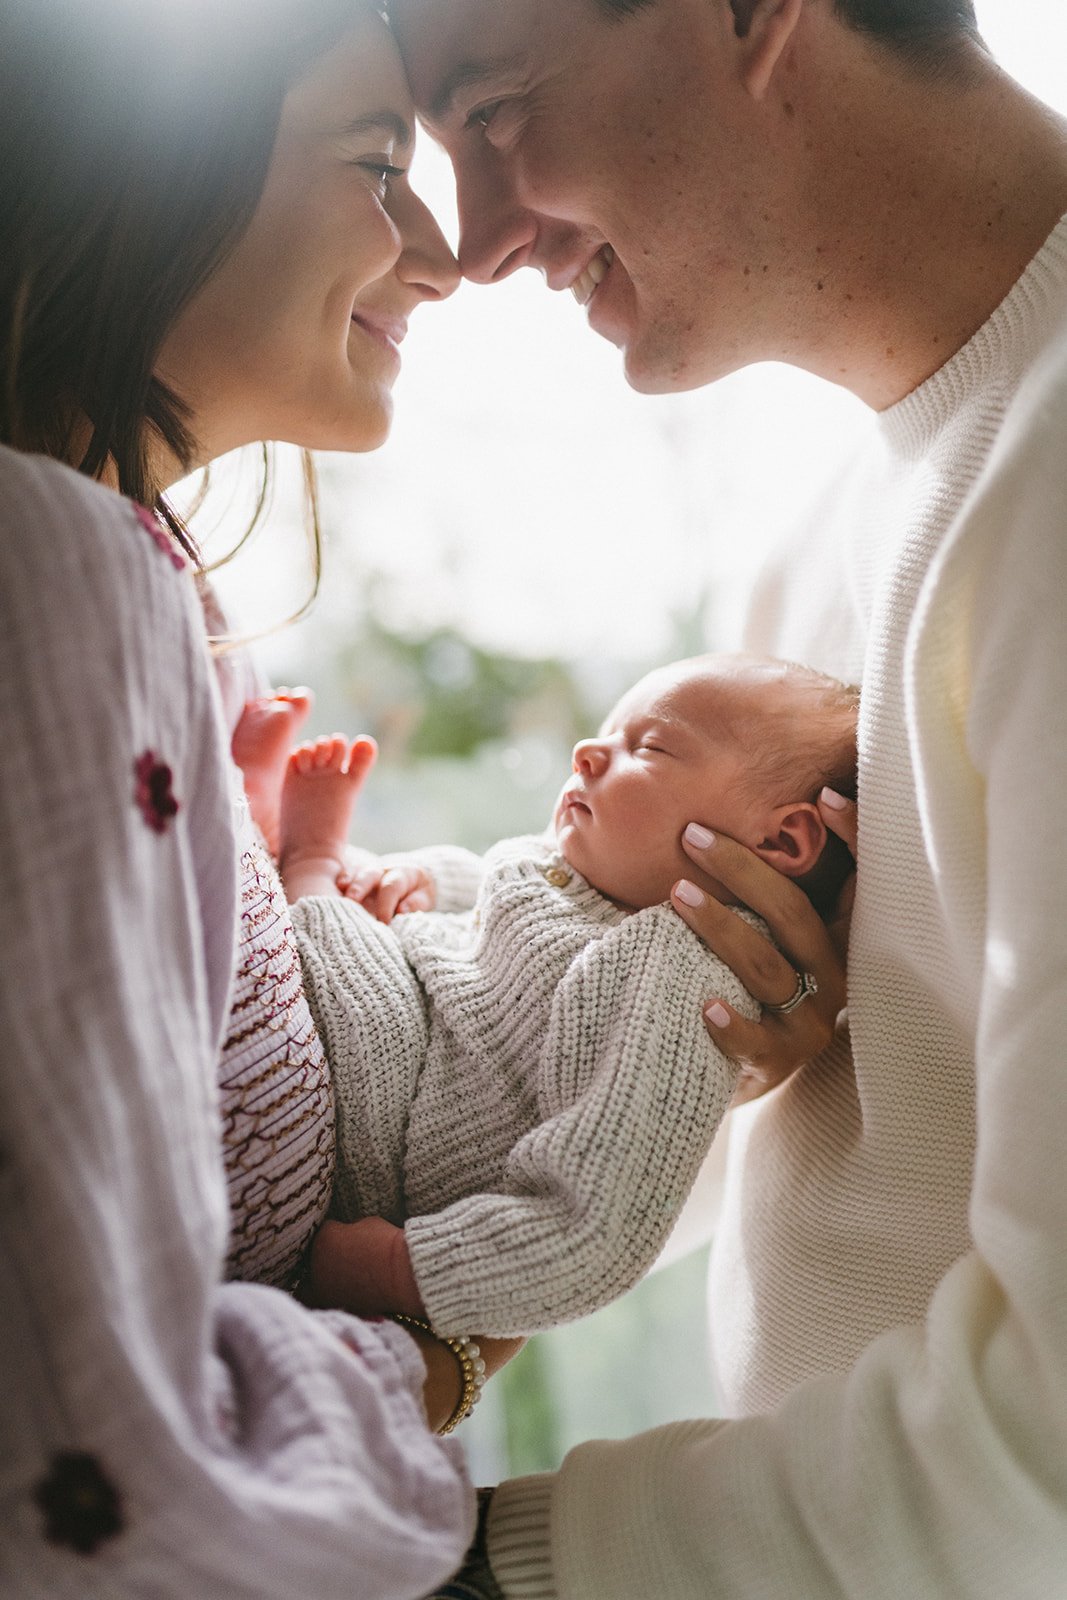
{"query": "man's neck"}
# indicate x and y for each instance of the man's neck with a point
(929, 198)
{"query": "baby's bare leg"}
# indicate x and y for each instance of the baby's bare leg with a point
(322, 780)
(261, 744)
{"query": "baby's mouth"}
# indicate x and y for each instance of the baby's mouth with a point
(592, 276)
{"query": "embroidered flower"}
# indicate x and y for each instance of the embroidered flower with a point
(153, 791)
(81, 1507)
(160, 537)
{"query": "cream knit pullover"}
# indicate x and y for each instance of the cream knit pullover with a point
(530, 1084)
(891, 1270)
(162, 1434)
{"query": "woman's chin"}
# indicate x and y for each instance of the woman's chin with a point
(359, 431)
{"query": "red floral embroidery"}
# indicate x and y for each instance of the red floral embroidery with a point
(81, 1507)
(153, 791)
(160, 537)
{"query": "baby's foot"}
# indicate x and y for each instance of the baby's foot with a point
(261, 744)
(322, 781)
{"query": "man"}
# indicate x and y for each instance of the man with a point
(852, 186)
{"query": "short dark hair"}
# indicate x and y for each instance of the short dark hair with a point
(908, 21)
(916, 27)
(134, 144)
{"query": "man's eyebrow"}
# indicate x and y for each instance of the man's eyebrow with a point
(469, 74)
(380, 121)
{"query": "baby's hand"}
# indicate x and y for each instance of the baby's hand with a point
(386, 890)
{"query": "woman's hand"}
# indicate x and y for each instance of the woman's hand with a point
(768, 1051)
(364, 1267)
(444, 1384)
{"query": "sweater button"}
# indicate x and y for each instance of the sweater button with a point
(558, 877)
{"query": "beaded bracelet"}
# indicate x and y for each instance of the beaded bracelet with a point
(471, 1366)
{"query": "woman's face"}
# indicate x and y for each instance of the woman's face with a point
(296, 335)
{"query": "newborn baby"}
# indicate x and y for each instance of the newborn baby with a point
(525, 1089)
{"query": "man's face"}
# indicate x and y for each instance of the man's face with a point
(625, 159)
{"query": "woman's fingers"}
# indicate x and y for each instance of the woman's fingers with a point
(840, 816)
(802, 938)
(768, 1050)
(767, 974)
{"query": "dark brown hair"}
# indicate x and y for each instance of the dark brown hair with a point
(919, 28)
(135, 137)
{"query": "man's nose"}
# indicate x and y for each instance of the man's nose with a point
(590, 757)
(497, 234)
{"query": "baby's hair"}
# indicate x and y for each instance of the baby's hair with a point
(800, 764)
(798, 756)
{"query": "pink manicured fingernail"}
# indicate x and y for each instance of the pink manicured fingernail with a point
(699, 836)
(717, 1014)
(688, 893)
(831, 798)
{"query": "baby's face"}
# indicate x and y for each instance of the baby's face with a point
(673, 751)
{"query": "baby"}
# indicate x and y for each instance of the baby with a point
(524, 1086)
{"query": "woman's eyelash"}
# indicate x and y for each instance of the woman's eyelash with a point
(384, 172)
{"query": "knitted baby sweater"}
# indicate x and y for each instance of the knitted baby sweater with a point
(530, 1084)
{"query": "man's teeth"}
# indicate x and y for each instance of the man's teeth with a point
(587, 280)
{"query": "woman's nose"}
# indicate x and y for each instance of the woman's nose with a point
(426, 262)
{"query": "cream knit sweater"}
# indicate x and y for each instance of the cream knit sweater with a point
(890, 1273)
(531, 1085)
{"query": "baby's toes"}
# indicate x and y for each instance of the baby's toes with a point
(330, 753)
(361, 756)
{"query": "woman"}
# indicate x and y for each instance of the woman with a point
(208, 239)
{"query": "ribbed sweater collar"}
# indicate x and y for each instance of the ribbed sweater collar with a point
(1004, 346)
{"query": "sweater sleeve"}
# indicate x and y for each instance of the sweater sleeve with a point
(938, 1464)
(630, 1090)
(161, 1434)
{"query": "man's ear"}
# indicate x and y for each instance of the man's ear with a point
(794, 838)
(766, 26)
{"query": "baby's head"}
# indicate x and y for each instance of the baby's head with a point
(741, 744)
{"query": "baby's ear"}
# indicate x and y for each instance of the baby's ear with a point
(794, 839)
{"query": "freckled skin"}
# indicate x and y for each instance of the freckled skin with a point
(575, 159)
(799, 130)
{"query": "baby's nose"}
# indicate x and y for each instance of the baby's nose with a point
(586, 754)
